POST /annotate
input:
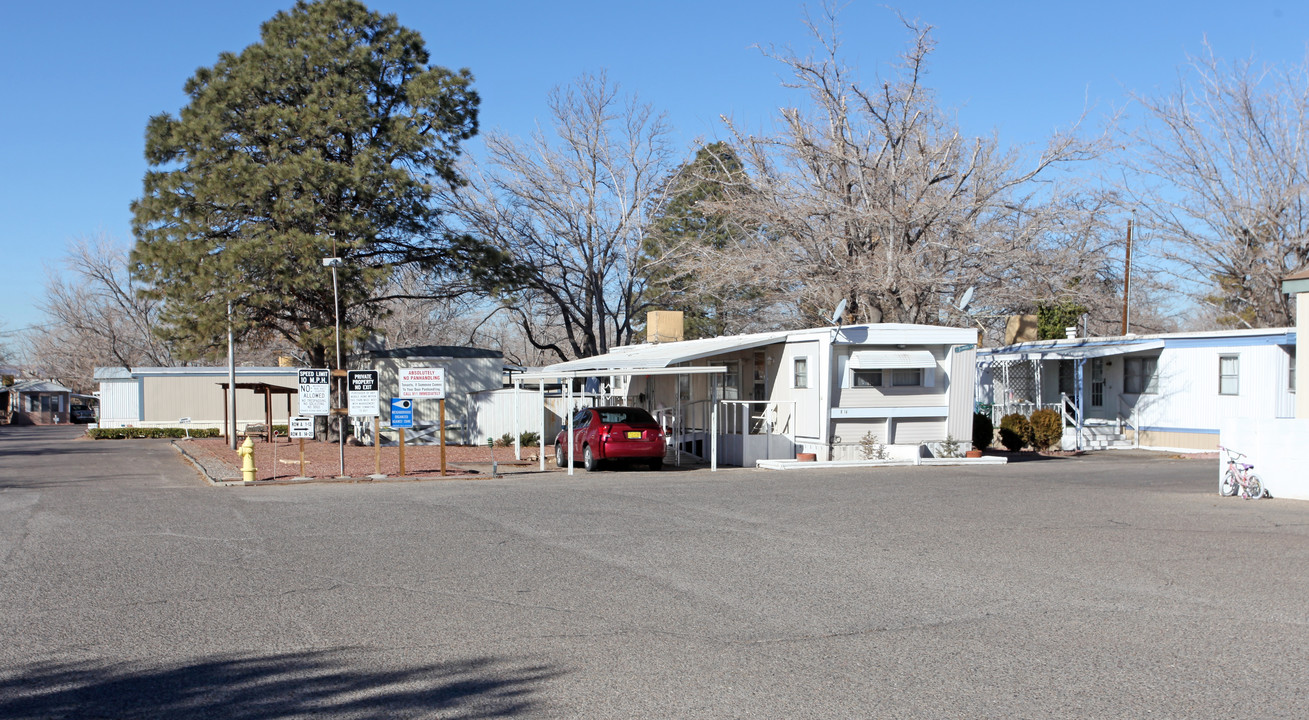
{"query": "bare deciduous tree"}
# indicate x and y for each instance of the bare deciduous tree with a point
(1218, 173)
(869, 193)
(570, 213)
(96, 317)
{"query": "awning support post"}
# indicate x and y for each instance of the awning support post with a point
(518, 444)
(568, 437)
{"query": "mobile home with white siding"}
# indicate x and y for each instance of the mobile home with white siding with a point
(160, 396)
(821, 391)
(1167, 391)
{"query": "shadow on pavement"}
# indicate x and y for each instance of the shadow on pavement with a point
(236, 687)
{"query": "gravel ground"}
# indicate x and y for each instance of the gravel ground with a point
(322, 459)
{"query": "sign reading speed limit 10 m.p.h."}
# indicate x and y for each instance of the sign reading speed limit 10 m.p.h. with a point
(422, 383)
(315, 391)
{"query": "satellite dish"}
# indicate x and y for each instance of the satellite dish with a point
(839, 312)
(966, 298)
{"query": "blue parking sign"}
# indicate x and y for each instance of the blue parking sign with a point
(402, 413)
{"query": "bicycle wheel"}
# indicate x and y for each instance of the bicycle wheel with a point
(1228, 485)
(1253, 486)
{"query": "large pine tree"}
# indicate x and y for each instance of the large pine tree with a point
(324, 138)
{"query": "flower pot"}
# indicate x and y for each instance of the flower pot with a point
(806, 457)
(973, 453)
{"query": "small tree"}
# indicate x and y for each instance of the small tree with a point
(871, 447)
(1015, 432)
(1047, 428)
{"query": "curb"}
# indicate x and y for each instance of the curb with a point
(929, 462)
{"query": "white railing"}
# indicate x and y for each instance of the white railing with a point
(1071, 412)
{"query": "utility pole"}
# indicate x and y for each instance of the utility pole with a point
(1127, 279)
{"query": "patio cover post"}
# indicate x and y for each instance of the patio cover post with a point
(713, 424)
(1077, 397)
(568, 437)
(518, 443)
(541, 418)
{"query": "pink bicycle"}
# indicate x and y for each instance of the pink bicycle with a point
(1239, 478)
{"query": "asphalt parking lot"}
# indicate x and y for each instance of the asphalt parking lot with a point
(1114, 585)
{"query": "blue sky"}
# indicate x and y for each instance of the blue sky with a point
(80, 79)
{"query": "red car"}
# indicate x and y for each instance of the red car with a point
(612, 433)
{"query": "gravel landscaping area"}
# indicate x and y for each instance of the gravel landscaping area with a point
(322, 459)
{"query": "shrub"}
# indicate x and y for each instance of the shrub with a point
(983, 431)
(1047, 428)
(1015, 432)
(505, 440)
(150, 432)
(529, 439)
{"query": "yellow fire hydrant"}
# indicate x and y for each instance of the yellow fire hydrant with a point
(247, 453)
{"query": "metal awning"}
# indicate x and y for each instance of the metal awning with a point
(891, 359)
(1077, 352)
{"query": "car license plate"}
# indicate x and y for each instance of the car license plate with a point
(633, 434)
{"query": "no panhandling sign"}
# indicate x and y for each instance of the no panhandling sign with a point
(426, 383)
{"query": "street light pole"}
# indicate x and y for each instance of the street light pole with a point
(231, 382)
(334, 263)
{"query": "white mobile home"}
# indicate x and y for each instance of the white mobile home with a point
(160, 396)
(468, 371)
(773, 395)
(1168, 391)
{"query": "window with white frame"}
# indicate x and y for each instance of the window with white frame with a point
(1229, 373)
(1140, 375)
(867, 378)
(732, 381)
(801, 372)
(1290, 369)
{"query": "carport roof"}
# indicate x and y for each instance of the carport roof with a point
(631, 358)
(1074, 352)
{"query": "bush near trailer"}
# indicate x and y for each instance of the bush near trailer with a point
(1047, 428)
(983, 431)
(1015, 432)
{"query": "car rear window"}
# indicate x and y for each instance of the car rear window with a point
(624, 415)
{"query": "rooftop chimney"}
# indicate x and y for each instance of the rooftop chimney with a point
(663, 326)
